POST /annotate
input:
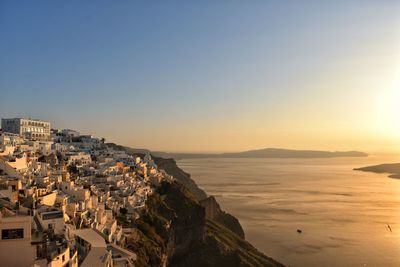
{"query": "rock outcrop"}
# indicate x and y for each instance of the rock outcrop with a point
(170, 166)
(392, 168)
(175, 231)
(214, 212)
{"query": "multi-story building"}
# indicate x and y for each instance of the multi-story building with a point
(16, 236)
(28, 128)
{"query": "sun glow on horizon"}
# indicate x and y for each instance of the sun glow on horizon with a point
(388, 113)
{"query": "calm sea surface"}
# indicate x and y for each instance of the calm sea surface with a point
(343, 213)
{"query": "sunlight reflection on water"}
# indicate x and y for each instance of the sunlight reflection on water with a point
(343, 213)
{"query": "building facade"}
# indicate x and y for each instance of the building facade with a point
(15, 240)
(28, 128)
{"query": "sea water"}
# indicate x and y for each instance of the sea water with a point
(343, 214)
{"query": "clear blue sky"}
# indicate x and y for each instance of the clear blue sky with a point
(203, 75)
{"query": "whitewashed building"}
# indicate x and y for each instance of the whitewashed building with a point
(28, 128)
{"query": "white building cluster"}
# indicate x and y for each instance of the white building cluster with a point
(29, 128)
(61, 194)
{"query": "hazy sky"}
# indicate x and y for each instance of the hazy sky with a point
(207, 75)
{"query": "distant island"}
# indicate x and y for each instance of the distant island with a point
(260, 153)
(392, 168)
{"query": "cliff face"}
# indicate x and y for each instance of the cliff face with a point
(214, 212)
(175, 231)
(171, 225)
(170, 166)
(183, 227)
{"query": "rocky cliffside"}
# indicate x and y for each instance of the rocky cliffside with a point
(175, 231)
(170, 166)
(183, 227)
(214, 212)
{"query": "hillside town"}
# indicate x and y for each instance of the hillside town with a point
(63, 196)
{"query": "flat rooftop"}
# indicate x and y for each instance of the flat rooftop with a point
(92, 237)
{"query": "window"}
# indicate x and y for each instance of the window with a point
(17, 233)
(52, 215)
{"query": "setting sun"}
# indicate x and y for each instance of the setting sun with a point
(388, 112)
(205, 133)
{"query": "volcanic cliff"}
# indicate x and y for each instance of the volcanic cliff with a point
(182, 227)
